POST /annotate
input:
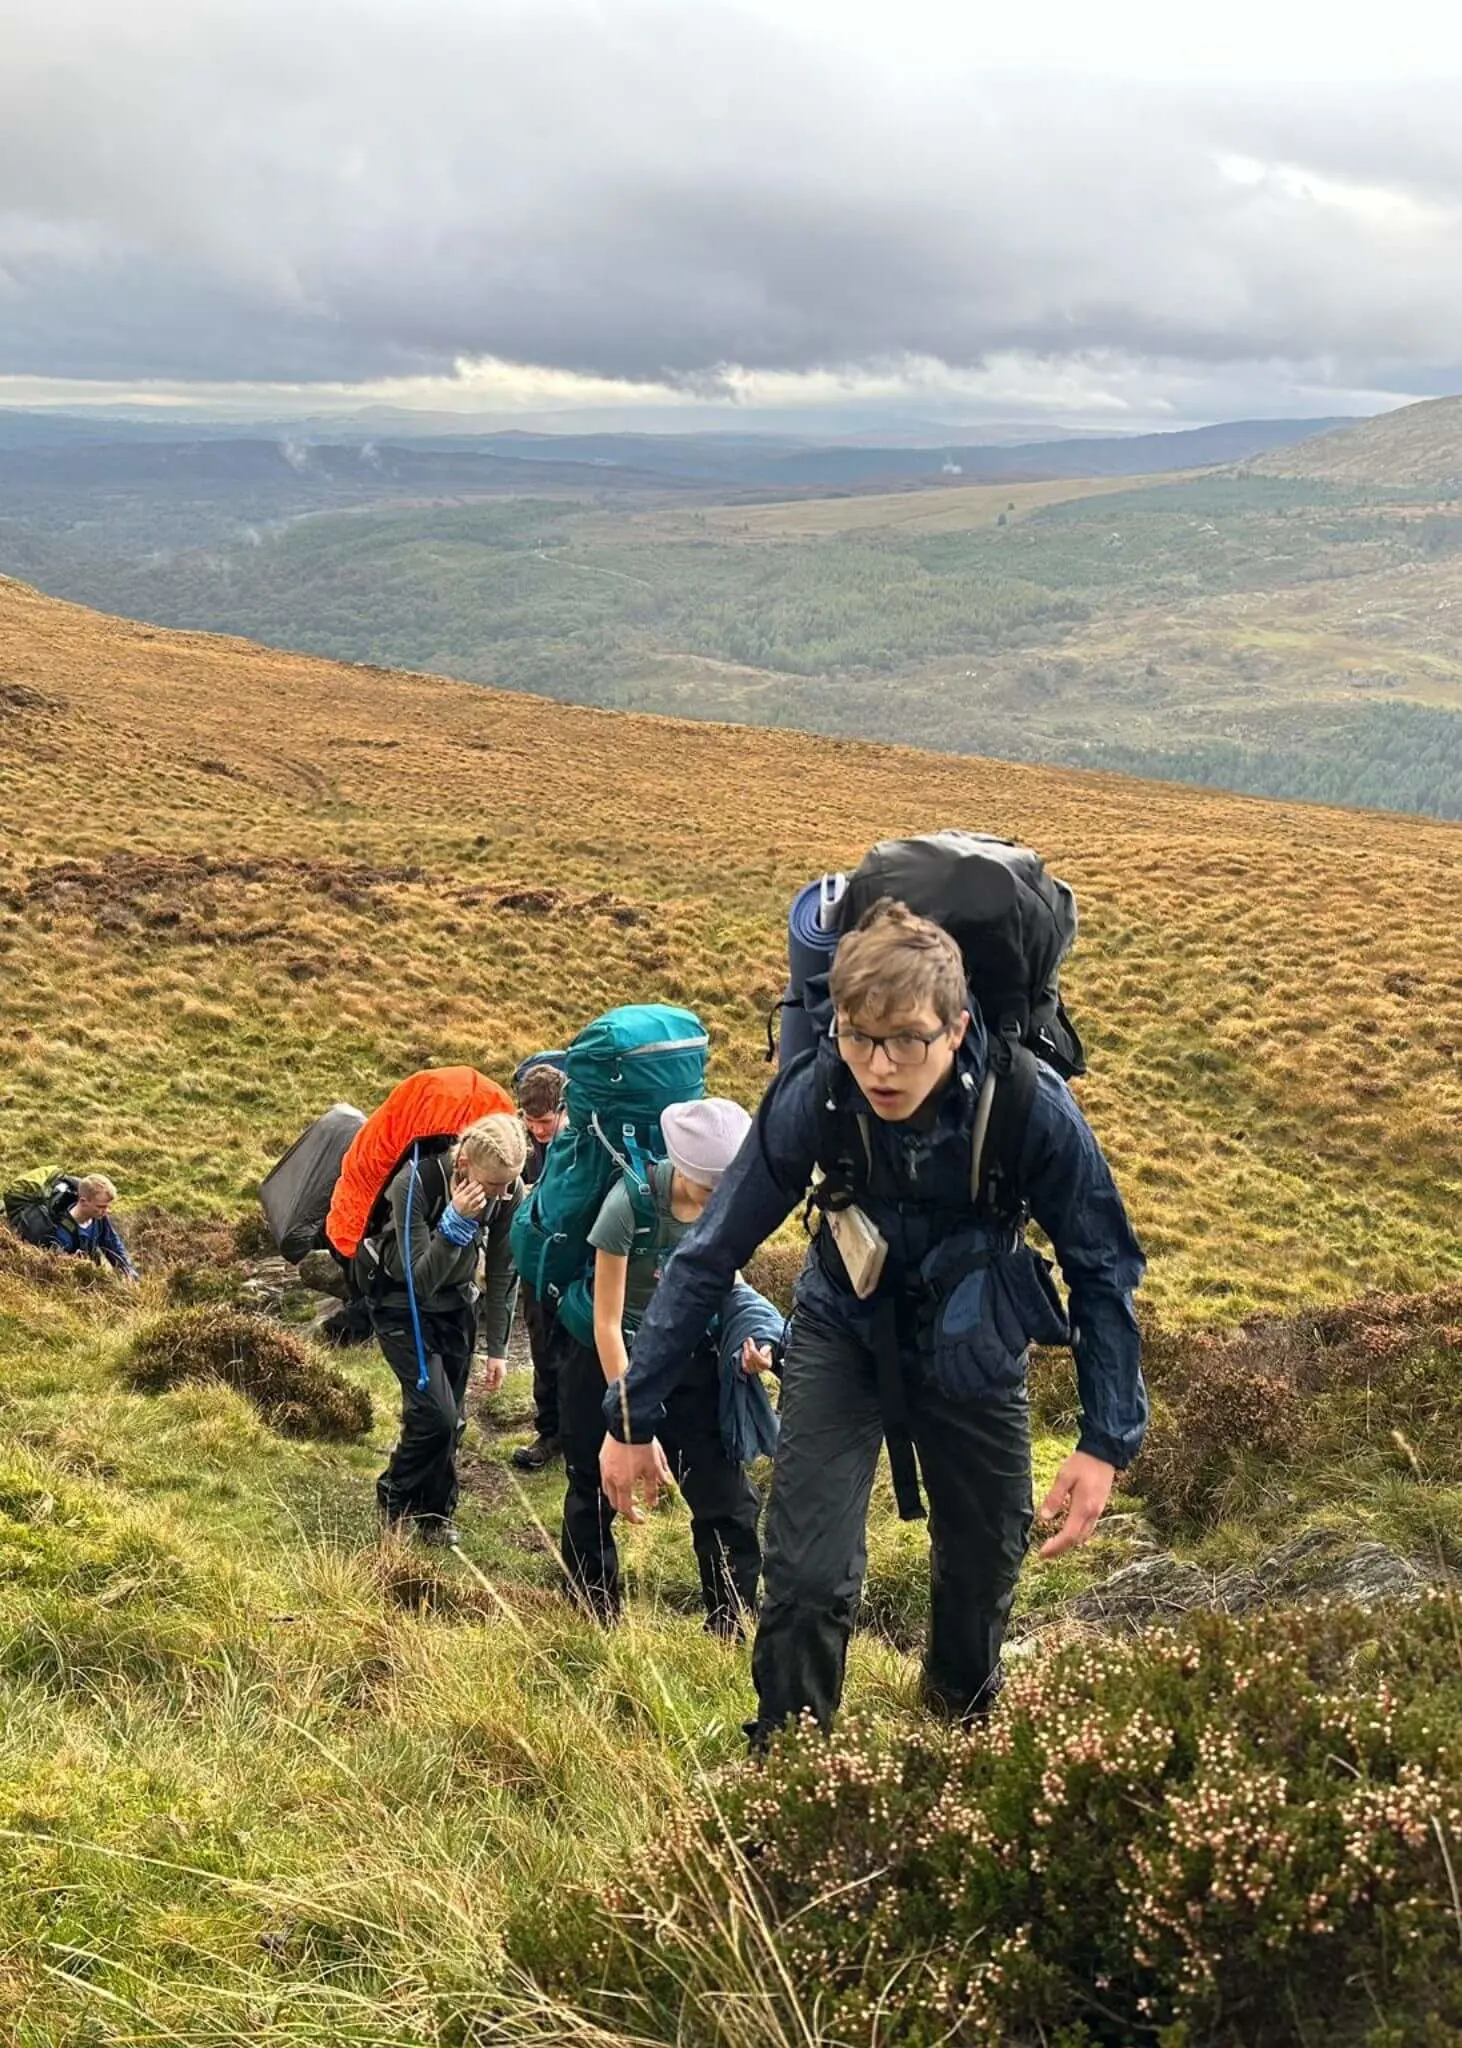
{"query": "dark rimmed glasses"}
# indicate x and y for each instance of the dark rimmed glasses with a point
(903, 1048)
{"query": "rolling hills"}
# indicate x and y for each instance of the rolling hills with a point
(1284, 631)
(266, 1780)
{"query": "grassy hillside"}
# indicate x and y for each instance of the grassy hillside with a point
(262, 1780)
(1416, 448)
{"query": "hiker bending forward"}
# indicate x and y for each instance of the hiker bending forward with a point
(443, 1211)
(630, 1257)
(934, 1357)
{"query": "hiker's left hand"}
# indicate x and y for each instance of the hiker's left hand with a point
(625, 1468)
(756, 1357)
(494, 1373)
(469, 1198)
(1078, 1497)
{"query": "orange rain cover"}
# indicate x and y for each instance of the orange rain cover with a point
(439, 1102)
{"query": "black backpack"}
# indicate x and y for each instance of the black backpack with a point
(32, 1207)
(1014, 924)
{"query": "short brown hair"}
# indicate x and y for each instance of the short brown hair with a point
(540, 1093)
(893, 961)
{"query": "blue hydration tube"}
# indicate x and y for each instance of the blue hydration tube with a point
(421, 1376)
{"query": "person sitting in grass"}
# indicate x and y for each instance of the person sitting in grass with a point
(445, 1210)
(702, 1138)
(541, 1106)
(931, 1353)
(75, 1218)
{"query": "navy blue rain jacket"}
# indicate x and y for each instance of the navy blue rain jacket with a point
(1065, 1180)
(749, 1425)
(100, 1239)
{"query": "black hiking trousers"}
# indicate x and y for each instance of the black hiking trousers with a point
(723, 1502)
(538, 1321)
(975, 1457)
(420, 1482)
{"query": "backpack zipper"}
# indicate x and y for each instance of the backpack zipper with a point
(641, 1052)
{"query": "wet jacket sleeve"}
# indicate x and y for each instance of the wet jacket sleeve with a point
(500, 1292)
(109, 1244)
(1074, 1199)
(763, 1185)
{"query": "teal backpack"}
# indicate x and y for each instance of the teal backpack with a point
(622, 1070)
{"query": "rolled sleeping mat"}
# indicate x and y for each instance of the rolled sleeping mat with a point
(536, 1059)
(812, 939)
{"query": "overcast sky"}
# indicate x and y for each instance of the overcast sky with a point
(1115, 213)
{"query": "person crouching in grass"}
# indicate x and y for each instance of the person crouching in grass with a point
(445, 1211)
(702, 1138)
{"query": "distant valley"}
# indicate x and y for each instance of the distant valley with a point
(1262, 607)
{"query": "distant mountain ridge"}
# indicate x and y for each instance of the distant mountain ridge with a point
(76, 450)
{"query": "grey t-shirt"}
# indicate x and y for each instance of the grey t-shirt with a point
(614, 1232)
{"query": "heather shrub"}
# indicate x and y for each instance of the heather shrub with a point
(296, 1392)
(56, 1273)
(1374, 1382)
(1226, 1410)
(1239, 1834)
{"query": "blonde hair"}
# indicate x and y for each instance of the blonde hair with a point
(497, 1143)
(894, 961)
(92, 1187)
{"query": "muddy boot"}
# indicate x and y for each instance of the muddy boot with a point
(537, 1456)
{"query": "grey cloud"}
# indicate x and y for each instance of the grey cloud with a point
(653, 190)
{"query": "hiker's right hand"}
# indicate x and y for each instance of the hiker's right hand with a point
(468, 1199)
(625, 1469)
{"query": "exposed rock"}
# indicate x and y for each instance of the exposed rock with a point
(1147, 1590)
(322, 1275)
(1319, 1564)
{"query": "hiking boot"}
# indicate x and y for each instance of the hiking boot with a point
(535, 1456)
(438, 1535)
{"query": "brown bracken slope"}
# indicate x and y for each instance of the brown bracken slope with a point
(235, 884)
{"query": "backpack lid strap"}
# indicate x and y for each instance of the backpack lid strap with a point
(981, 1131)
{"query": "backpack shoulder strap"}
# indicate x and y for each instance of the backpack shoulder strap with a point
(1002, 1122)
(844, 1140)
(644, 1201)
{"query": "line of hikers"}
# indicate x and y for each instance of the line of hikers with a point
(920, 1117)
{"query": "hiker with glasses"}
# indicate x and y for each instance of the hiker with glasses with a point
(632, 1254)
(446, 1211)
(540, 1090)
(913, 1316)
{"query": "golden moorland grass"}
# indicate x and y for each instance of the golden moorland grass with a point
(236, 884)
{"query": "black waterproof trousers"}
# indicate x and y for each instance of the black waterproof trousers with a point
(723, 1502)
(976, 1462)
(538, 1321)
(420, 1482)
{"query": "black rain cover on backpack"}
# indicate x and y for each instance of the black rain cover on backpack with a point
(1013, 923)
(295, 1194)
(32, 1206)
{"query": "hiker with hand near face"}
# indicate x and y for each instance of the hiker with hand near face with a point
(445, 1211)
(912, 1318)
(636, 1239)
